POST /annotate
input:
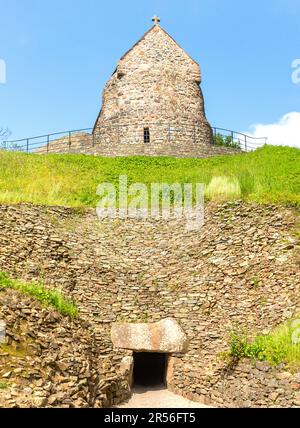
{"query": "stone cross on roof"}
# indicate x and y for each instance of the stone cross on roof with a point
(156, 20)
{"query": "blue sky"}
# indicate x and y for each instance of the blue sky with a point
(60, 53)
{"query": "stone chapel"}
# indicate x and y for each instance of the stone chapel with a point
(153, 103)
(151, 106)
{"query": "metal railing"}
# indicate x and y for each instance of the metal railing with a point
(221, 137)
(238, 140)
(31, 144)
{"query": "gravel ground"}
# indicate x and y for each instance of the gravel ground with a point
(158, 398)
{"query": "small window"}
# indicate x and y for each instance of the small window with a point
(146, 135)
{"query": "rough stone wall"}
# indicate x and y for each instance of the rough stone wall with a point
(247, 384)
(52, 361)
(88, 145)
(80, 142)
(155, 85)
(239, 269)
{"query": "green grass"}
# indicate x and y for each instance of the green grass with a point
(39, 292)
(268, 175)
(3, 386)
(277, 347)
(223, 188)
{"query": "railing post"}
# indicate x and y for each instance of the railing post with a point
(215, 136)
(70, 136)
(48, 141)
(232, 137)
(246, 143)
(93, 139)
(27, 145)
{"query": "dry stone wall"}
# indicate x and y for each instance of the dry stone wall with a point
(239, 269)
(49, 360)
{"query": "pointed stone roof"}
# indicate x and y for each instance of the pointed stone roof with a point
(155, 28)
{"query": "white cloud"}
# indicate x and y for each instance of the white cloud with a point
(286, 132)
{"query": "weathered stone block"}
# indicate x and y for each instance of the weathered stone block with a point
(164, 336)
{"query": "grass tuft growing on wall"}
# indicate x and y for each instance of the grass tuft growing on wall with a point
(37, 290)
(3, 385)
(282, 345)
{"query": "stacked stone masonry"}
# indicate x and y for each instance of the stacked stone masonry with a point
(155, 82)
(241, 268)
(83, 143)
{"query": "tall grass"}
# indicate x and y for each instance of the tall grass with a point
(39, 292)
(270, 174)
(223, 188)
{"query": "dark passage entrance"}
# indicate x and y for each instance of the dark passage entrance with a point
(149, 369)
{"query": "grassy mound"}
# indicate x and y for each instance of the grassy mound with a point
(270, 174)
